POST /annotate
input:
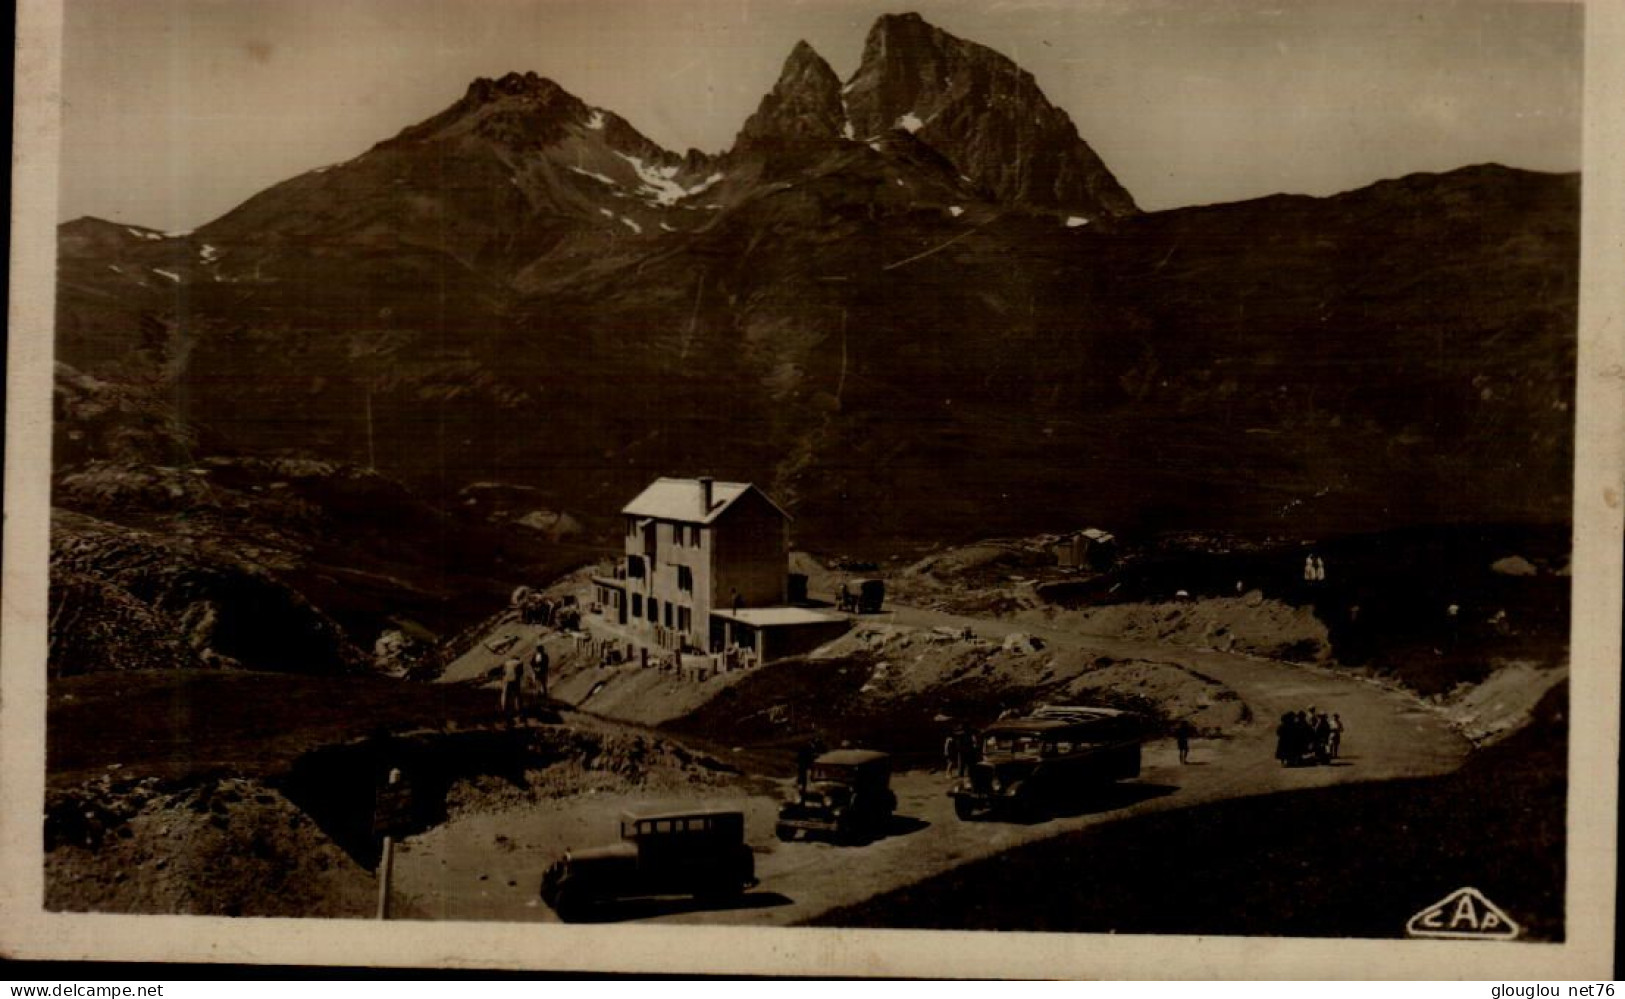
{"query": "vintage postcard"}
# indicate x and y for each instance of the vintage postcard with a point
(1115, 488)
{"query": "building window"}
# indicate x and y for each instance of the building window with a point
(637, 605)
(634, 566)
(668, 613)
(685, 619)
(631, 526)
(694, 536)
(654, 610)
(685, 579)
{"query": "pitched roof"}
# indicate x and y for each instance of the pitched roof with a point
(679, 499)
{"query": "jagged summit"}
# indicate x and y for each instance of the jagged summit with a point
(804, 106)
(983, 112)
(514, 85)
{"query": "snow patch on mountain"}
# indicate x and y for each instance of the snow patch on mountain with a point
(955, 211)
(632, 225)
(910, 122)
(595, 176)
(208, 253)
(706, 184)
(168, 274)
(596, 120)
(1073, 221)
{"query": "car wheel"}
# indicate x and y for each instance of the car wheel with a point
(964, 809)
(571, 904)
(785, 833)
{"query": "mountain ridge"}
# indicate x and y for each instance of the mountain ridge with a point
(524, 288)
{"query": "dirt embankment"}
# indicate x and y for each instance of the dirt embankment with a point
(1250, 624)
(220, 846)
(124, 598)
(300, 842)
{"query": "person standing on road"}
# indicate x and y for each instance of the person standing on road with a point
(968, 750)
(804, 761)
(1335, 739)
(1182, 739)
(513, 681)
(950, 754)
(539, 666)
(1320, 738)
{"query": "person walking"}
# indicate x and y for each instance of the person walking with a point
(1182, 739)
(1335, 738)
(950, 754)
(1283, 738)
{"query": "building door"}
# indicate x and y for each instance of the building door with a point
(620, 606)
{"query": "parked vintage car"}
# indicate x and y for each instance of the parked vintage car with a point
(698, 853)
(1026, 766)
(848, 797)
(871, 595)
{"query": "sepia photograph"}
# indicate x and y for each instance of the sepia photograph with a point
(683, 486)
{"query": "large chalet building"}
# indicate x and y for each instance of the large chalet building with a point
(707, 567)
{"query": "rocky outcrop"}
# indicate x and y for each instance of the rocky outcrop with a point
(123, 598)
(803, 108)
(984, 113)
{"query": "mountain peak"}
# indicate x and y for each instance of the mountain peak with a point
(803, 107)
(983, 112)
(513, 85)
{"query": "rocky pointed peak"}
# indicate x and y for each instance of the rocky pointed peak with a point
(983, 112)
(804, 106)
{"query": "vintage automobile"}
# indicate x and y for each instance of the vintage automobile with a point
(1025, 766)
(871, 594)
(698, 853)
(848, 797)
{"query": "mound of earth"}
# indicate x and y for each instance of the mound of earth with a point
(222, 846)
(1250, 624)
(201, 601)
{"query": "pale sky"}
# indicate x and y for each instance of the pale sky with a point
(178, 110)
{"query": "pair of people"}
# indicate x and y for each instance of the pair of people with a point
(960, 750)
(512, 691)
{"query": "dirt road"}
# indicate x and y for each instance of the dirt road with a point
(488, 866)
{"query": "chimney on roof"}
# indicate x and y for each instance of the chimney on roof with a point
(705, 494)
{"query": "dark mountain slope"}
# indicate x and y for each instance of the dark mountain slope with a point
(902, 339)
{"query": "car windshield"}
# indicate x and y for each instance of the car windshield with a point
(1016, 743)
(825, 771)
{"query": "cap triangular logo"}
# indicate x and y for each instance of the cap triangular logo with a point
(1464, 914)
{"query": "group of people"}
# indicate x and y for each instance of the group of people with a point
(1305, 737)
(512, 704)
(535, 608)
